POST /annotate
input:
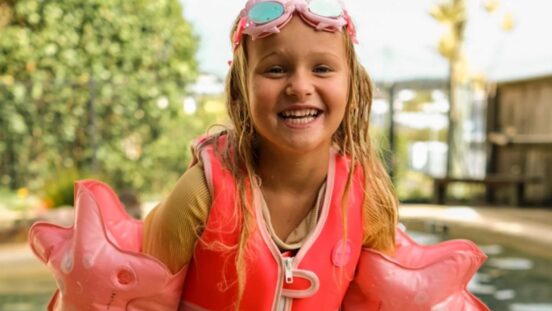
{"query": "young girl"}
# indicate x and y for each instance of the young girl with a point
(297, 167)
(291, 209)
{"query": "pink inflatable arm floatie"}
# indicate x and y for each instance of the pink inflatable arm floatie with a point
(416, 278)
(97, 262)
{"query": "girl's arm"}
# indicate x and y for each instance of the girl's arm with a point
(172, 228)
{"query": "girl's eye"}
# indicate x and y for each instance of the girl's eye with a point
(322, 69)
(275, 70)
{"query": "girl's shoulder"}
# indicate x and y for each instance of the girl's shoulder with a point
(190, 196)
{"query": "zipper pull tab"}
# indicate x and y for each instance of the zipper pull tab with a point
(288, 273)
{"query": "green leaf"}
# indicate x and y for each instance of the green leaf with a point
(84, 75)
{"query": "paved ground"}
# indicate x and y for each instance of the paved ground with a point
(526, 229)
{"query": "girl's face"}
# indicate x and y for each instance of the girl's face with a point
(298, 87)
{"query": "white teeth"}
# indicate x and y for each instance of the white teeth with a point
(300, 113)
(300, 116)
(303, 120)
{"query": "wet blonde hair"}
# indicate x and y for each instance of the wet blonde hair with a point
(352, 138)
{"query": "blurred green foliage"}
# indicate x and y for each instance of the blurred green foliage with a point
(94, 86)
(58, 189)
(19, 201)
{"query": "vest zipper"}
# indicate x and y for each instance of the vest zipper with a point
(284, 303)
(288, 272)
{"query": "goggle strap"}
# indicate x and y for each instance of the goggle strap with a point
(351, 29)
(238, 33)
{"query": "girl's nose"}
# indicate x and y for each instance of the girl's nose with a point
(299, 86)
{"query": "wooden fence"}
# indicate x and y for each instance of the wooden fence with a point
(520, 134)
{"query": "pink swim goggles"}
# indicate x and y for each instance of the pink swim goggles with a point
(261, 18)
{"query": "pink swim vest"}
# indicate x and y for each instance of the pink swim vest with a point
(98, 265)
(316, 278)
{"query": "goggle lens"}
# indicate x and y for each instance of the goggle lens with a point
(326, 8)
(265, 12)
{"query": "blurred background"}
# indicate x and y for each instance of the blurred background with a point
(116, 90)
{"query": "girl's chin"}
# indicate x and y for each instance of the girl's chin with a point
(305, 144)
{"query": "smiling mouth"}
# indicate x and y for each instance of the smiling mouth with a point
(300, 116)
